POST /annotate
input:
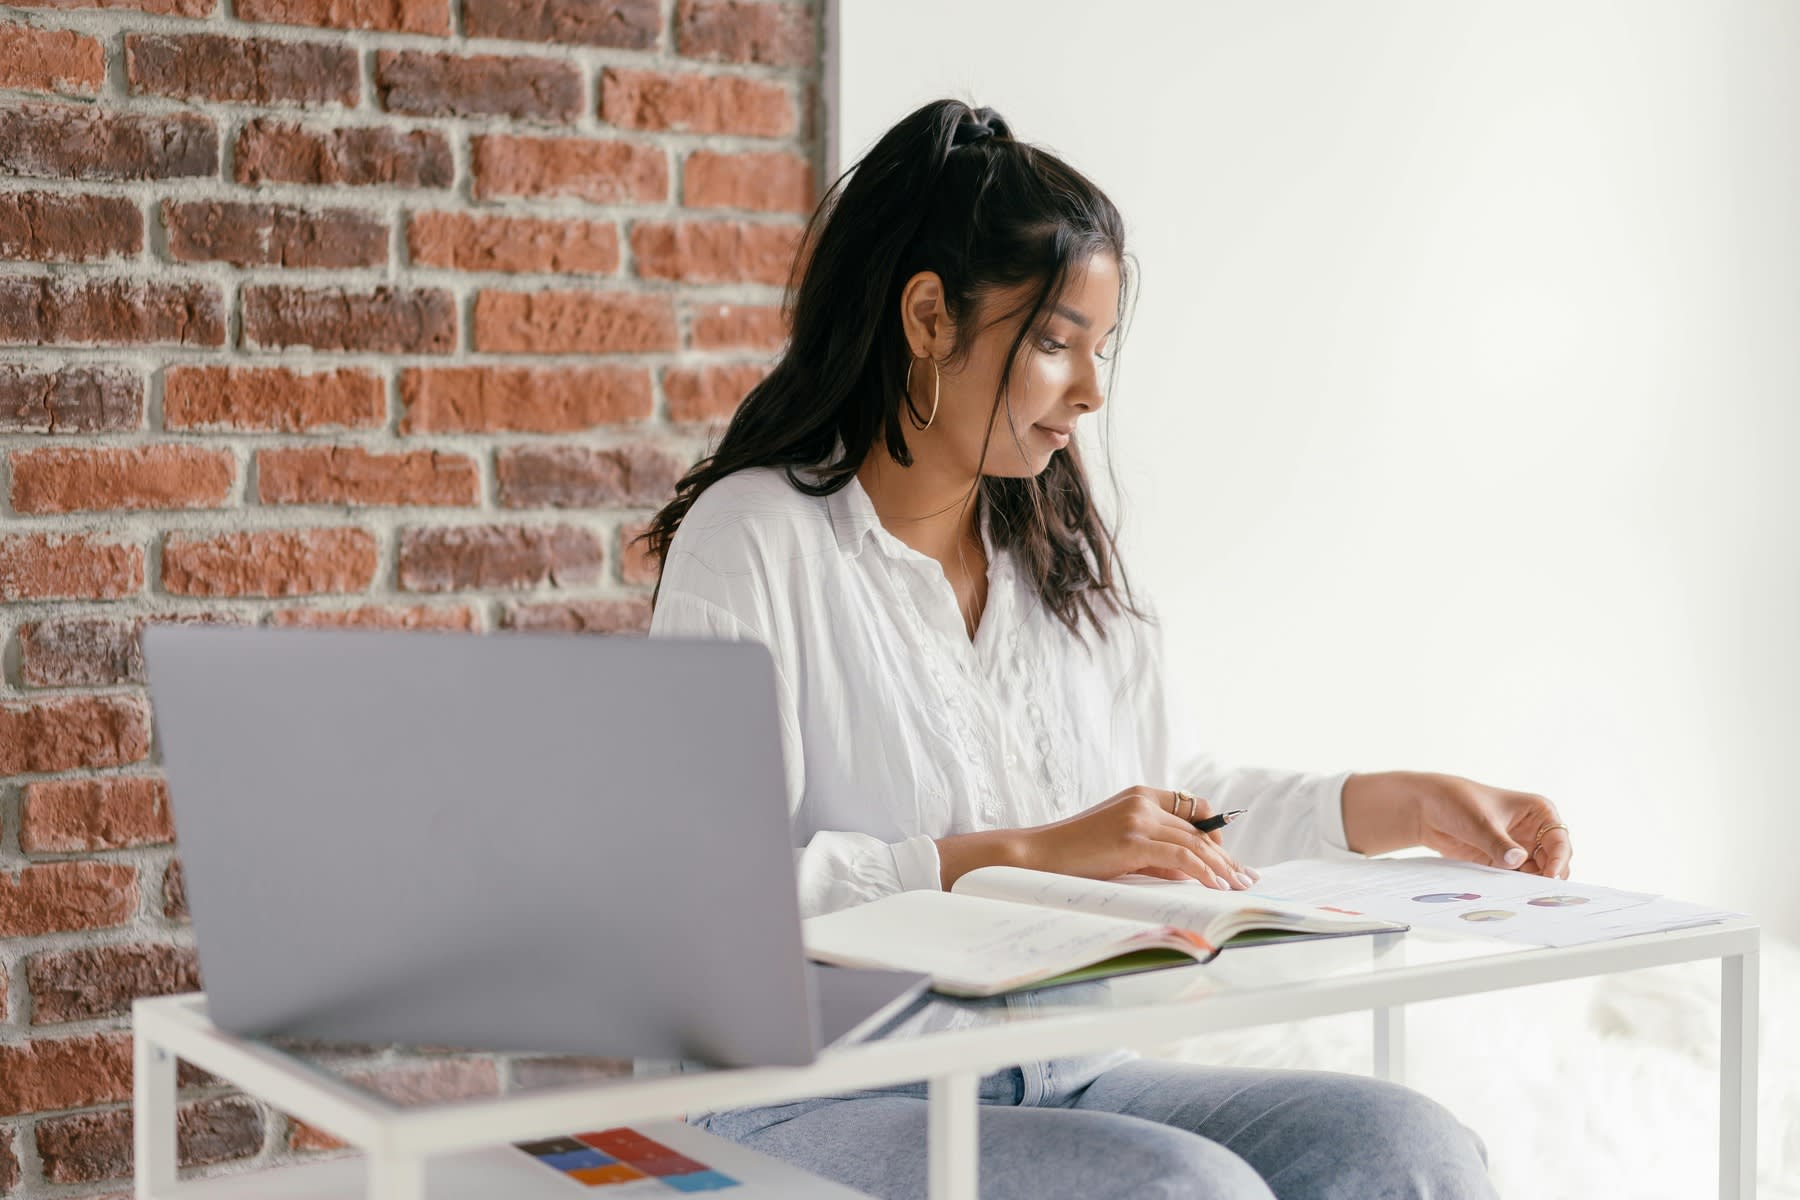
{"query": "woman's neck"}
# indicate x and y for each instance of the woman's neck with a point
(931, 510)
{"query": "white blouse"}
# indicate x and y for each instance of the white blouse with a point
(898, 729)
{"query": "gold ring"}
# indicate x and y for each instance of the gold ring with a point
(1193, 805)
(1542, 831)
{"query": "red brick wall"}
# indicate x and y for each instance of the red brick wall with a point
(380, 312)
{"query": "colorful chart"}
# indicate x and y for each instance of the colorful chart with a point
(1445, 897)
(1557, 901)
(1487, 914)
(614, 1156)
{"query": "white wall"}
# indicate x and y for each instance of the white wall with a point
(1459, 412)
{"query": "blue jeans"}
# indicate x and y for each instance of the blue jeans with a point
(1143, 1129)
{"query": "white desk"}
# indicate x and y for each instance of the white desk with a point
(1249, 986)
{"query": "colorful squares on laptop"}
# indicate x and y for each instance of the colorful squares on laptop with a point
(612, 1172)
(653, 1158)
(576, 1159)
(581, 1162)
(614, 1156)
(700, 1181)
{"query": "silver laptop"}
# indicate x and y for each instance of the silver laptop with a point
(525, 842)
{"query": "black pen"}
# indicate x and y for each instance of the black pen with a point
(1220, 821)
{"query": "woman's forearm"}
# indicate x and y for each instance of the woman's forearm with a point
(1381, 811)
(963, 852)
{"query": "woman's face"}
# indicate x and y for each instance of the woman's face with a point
(1058, 378)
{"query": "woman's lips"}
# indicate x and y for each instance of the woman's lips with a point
(1058, 437)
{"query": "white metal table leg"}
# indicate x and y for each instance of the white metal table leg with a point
(1389, 950)
(1390, 1044)
(952, 1117)
(396, 1177)
(153, 1118)
(1737, 1075)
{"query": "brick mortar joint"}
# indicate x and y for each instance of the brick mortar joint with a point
(357, 279)
(396, 205)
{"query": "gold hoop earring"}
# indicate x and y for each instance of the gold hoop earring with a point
(937, 377)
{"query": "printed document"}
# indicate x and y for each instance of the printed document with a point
(1441, 893)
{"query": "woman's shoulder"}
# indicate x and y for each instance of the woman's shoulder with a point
(751, 510)
(1128, 645)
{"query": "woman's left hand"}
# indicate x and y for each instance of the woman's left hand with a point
(1465, 820)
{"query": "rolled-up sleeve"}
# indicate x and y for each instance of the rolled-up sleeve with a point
(835, 869)
(838, 870)
(1287, 813)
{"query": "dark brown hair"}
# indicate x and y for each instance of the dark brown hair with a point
(947, 190)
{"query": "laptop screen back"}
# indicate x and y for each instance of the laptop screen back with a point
(530, 842)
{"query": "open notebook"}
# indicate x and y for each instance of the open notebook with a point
(1000, 929)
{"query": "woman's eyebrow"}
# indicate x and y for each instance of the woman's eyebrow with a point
(1063, 310)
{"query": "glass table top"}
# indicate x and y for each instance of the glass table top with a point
(408, 1073)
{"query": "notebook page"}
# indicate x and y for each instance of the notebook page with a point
(969, 943)
(1186, 905)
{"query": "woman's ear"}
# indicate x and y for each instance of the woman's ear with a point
(923, 317)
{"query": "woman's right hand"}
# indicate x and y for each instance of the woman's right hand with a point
(1133, 832)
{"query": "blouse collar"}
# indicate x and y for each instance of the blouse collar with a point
(855, 522)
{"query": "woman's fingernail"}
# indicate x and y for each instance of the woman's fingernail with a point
(1514, 857)
(1243, 879)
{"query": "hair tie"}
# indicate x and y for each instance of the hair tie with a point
(970, 132)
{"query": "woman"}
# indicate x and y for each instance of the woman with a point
(900, 513)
